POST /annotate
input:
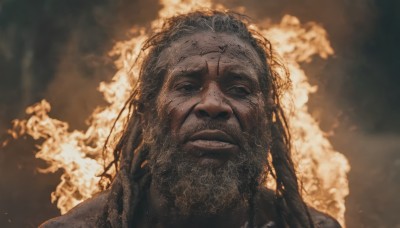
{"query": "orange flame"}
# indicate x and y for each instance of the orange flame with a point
(321, 169)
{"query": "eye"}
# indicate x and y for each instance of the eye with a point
(239, 90)
(187, 87)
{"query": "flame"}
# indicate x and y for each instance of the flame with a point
(321, 169)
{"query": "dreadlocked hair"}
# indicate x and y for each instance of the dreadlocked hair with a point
(131, 153)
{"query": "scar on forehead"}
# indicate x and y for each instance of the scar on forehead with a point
(222, 48)
(193, 47)
(206, 62)
(219, 59)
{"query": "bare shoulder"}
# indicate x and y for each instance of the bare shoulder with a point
(323, 220)
(266, 211)
(84, 214)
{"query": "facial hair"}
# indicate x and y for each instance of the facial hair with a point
(193, 189)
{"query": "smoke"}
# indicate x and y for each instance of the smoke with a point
(374, 179)
(357, 98)
(84, 61)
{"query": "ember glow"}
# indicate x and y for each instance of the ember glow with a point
(321, 170)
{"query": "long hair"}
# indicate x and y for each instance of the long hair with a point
(131, 154)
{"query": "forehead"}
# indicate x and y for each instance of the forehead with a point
(194, 46)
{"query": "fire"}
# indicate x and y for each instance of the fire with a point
(321, 169)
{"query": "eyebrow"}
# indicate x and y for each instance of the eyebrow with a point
(240, 75)
(191, 72)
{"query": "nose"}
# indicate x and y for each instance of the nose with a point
(212, 105)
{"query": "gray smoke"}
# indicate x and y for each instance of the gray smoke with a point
(59, 52)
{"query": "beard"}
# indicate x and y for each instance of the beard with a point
(191, 189)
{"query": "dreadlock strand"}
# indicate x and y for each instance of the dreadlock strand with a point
(118, 206)
(120, 144)
(133, 179)
(111, 215)
(138, 182)
(287, 186)
(126, 198)
(251, 211)
(130, 204)
(132, 143)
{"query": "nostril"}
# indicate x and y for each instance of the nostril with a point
(217, 115)
(223, 115)
(203, 113)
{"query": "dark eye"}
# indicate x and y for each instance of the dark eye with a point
(187, 87)
(240, 91)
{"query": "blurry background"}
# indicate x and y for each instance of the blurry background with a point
(58, 50)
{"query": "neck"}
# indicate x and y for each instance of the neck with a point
(160, 214)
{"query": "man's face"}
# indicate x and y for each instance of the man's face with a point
(212, 78)
(212, 111)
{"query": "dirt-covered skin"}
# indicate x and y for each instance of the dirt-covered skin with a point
(211, 77)
(211, 96)
(85, 214)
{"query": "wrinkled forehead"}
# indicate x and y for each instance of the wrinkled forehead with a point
(228, 46)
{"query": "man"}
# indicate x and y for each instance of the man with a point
(205, 115)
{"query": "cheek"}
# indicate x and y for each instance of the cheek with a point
(250, 114)
(176, 110)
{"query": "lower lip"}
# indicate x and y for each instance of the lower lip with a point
(211, 145)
